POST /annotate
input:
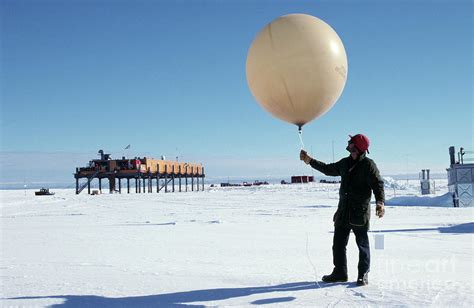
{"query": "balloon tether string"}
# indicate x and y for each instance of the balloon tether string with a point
(300, 134)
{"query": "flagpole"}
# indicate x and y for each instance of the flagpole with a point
(127, 153)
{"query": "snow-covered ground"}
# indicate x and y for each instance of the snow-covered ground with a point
(227, 247)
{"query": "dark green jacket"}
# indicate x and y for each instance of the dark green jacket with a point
(358, 180)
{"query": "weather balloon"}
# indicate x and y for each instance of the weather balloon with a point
(297, 68)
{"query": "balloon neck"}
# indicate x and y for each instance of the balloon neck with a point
(300, 134)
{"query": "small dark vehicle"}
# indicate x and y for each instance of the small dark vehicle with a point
(44, 192)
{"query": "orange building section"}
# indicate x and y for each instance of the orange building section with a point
(170, 167)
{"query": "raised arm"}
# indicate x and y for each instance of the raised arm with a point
(327, 169)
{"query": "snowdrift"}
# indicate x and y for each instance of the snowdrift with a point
(445, 200)
(391, 183)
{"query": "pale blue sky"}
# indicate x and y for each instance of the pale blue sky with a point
(168, 77)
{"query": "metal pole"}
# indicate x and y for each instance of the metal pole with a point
(111, 184)
(203, 179)
(172, 177)
(166, 178)
(100, 185)
(128, 185)
(157, 178)
(332, 151)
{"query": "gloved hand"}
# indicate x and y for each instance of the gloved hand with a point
(305, 157)
(380, 209)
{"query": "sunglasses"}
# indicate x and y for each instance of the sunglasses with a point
(353, 149)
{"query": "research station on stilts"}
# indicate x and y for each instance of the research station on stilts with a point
(142, 172)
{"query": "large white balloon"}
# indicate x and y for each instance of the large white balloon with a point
(297, 68)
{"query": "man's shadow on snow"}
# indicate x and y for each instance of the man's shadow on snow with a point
(453, 229)
(179, 299)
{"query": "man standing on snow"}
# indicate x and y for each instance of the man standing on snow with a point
(359, 178)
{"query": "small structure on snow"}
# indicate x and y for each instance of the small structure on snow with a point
(461, 177)
(44, 192)
(425, 183)
(302, 179)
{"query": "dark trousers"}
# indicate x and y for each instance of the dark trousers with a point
(341, 237)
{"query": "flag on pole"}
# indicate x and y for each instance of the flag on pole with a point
(127, 147)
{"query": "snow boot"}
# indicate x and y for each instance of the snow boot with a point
(335, 277)
(363, 279)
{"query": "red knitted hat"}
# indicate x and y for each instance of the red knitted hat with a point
(361, 142)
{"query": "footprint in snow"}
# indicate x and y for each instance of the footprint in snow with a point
(359, 294)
